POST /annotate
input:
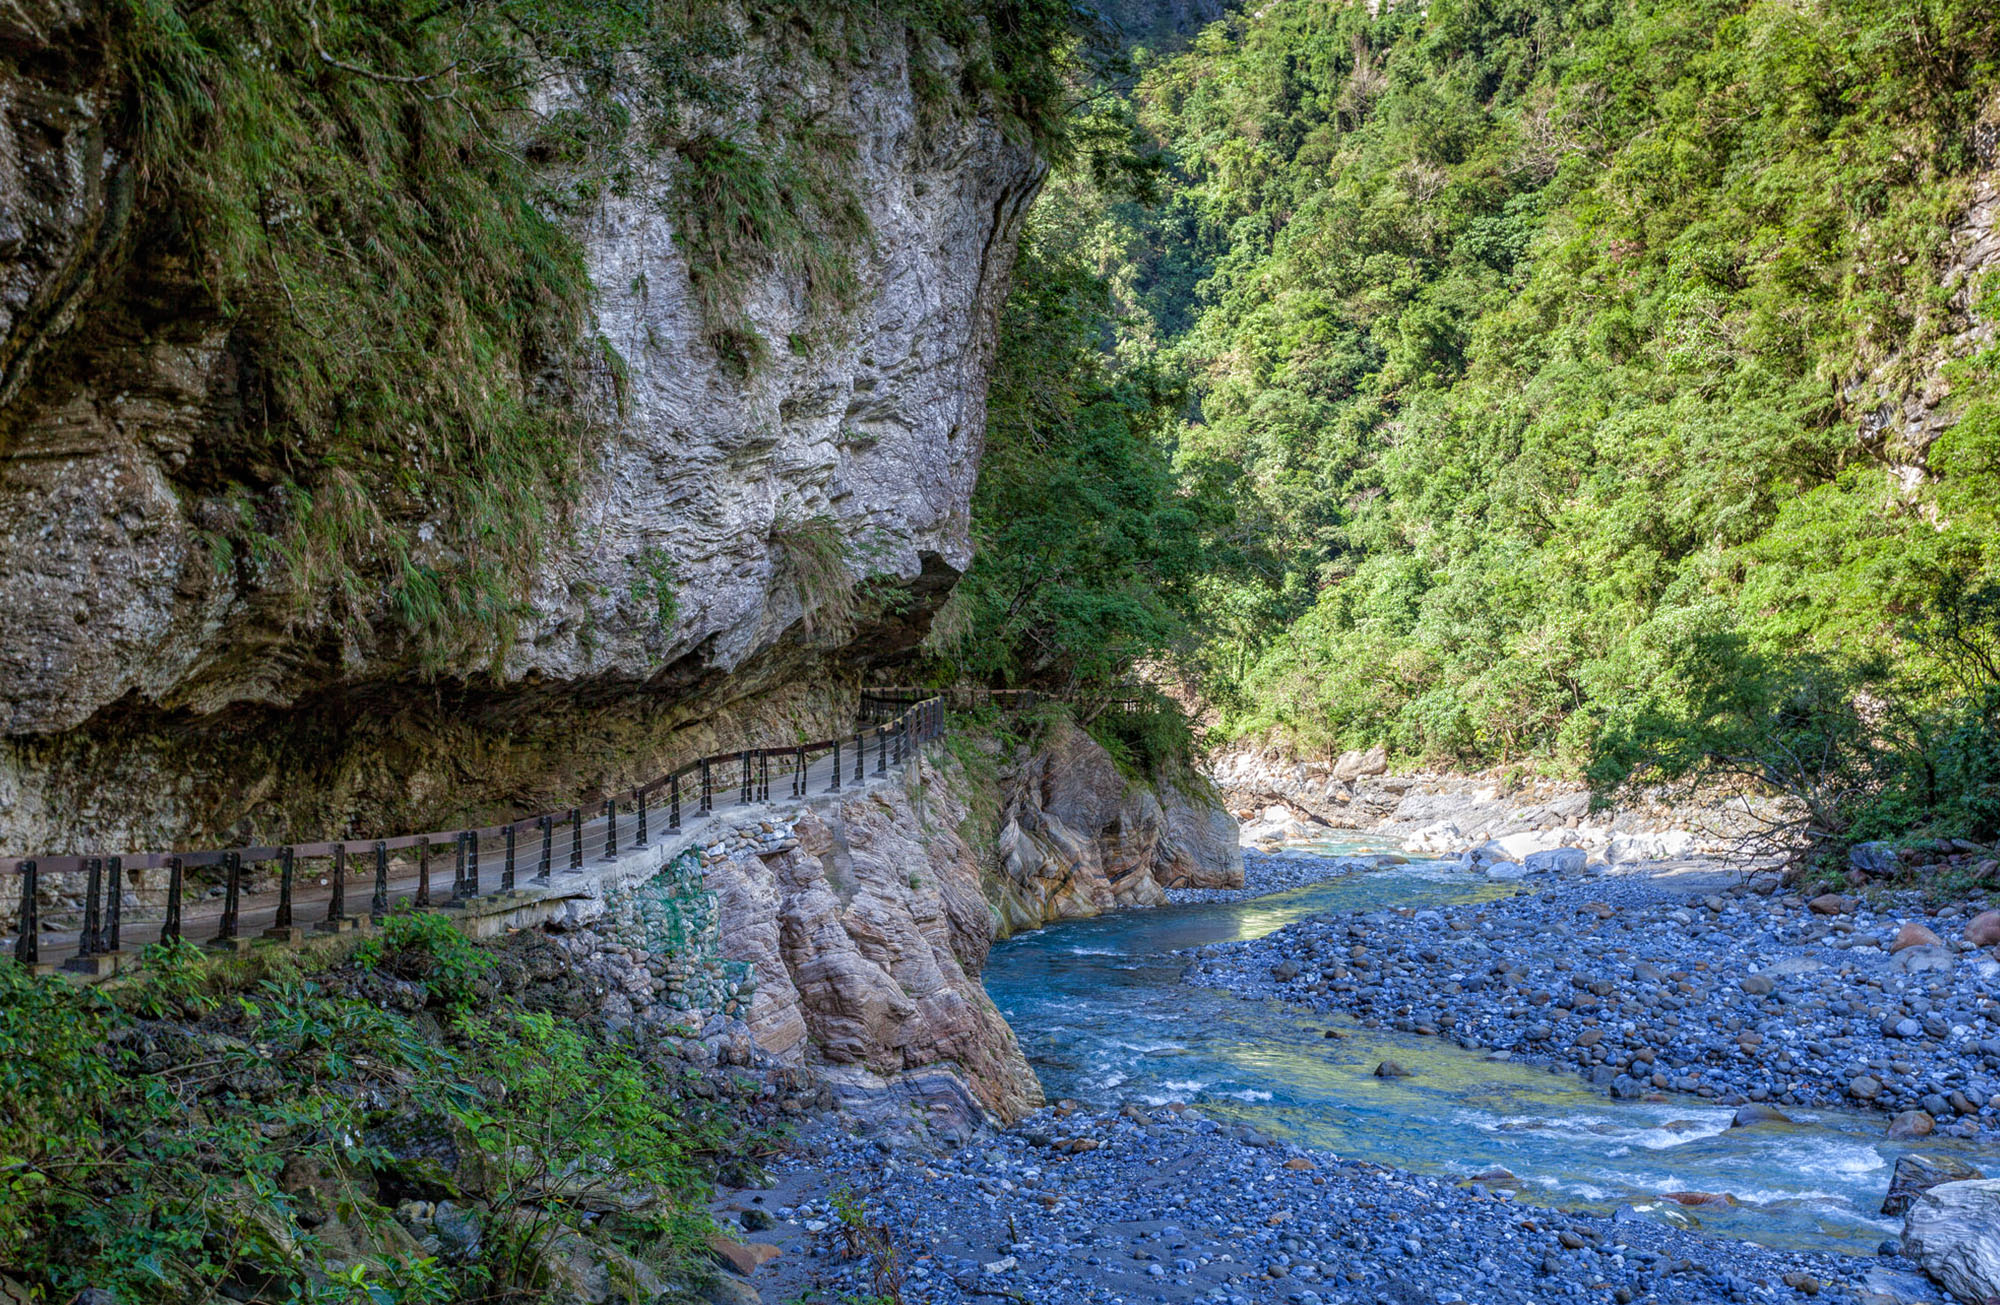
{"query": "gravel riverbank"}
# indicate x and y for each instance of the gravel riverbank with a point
(1265, 873)
(1169, 1206)
(1636, 979)
(1642, 983)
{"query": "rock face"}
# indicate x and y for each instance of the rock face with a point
(1449, 815)
(1953, 1233)
(1078, 837)
(868, 935)
(1917, 1173)
(868, 918)
(129, 655)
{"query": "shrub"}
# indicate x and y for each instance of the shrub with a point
(427, 947)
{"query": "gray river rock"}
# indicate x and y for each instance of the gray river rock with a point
(1684, 983)
(1954, 1233)
(1206, 1145)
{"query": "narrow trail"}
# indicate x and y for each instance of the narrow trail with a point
(506, 875)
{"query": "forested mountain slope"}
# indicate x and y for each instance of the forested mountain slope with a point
(1577, 381)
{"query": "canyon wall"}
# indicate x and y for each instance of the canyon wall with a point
(155, 686)
(161, 684)
(868, 918)
(1076, 836)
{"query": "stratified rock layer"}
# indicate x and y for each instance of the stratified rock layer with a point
(868, 931)
(1953, 1231)
(869, 918)
(1078, 837)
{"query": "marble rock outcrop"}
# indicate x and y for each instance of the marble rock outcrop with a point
(1953, 1232)
(150, 694)
(1077, 836)
(867, 927)
(868, 918)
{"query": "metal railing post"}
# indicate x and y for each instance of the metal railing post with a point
(378, 905)
(576, 838)
(746, 775)
(860, 759)
(287, 860)
(472, 863)
(507, 866)
(114, 900)
(611, 829)
(424, 872)
(548, 847)
(674, 805)
(881, 750)
(639, 800)
(170, 928)
(86, 942)
(707, 790)
(28, 943)
(836, 767)
(232, 896)
(458, 868)
(336, 910)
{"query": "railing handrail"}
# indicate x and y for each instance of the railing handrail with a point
(79, 862)
(718, 782)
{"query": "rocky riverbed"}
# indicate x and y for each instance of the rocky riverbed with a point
(1166, 1205)
(1637, 979)
(1270, 872)
(1645, 981)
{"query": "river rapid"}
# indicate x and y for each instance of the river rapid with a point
(1100, 1009)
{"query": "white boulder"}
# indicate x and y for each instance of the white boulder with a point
(1442, 836)
(1514, 847)
(1952, 1232)
(1667, 845)
(1357, 765)
(1273, 824)
(1557, 860)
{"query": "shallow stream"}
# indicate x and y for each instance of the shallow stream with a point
(1099, 1008)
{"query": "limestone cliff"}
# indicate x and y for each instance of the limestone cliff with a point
(1076, 836)
(864, 919)
(153, 688)
(868, 918)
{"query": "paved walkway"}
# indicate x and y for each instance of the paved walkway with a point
(312, 895)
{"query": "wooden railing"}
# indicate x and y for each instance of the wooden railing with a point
(533, 851)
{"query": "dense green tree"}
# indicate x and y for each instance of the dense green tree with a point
(1087, 547)
(1526, 336)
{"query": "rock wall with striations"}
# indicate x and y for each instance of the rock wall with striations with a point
(868, 918)
(1077, 836)
(148, 695)
(866, 925)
